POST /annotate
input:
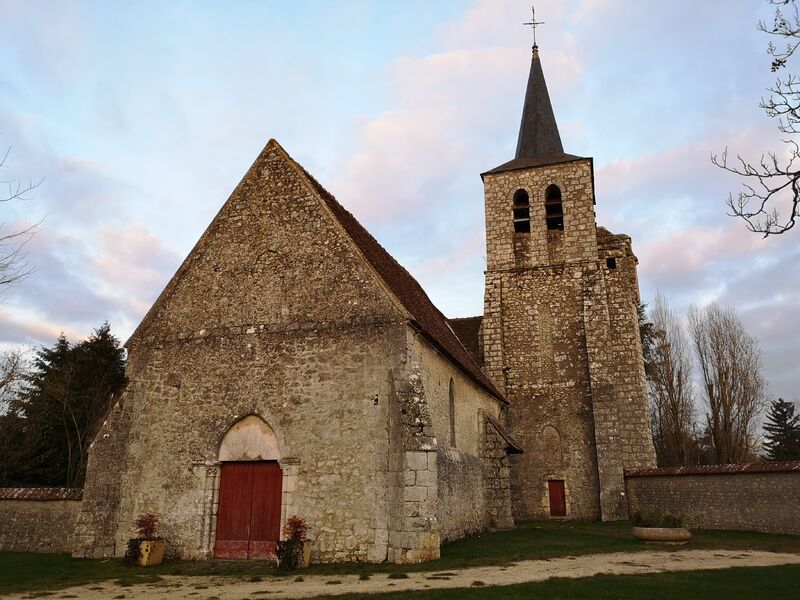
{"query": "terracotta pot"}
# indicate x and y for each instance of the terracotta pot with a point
(663, 535)
(151, 552)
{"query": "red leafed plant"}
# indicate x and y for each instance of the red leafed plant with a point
(296, 529)
(146, 525)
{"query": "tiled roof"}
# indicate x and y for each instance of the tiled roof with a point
(467, 330)
(42, 494)
(408, 291)
(766, 467)
(512, 447)
(541, 161)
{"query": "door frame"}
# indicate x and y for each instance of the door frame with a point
(209, 474)
(263, 547)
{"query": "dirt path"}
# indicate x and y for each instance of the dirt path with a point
(205, 588)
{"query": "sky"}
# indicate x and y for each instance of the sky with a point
(142, 118)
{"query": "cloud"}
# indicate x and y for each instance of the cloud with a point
(14, 331)
(134, 265)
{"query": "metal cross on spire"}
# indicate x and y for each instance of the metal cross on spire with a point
(533, 23)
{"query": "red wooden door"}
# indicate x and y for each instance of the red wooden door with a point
(249, 511)
(558, 501)
(265, 516)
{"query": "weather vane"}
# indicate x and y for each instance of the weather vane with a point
(534, 23)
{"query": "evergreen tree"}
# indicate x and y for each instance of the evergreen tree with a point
(45, 437)
(782, 432)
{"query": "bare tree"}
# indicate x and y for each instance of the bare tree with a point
(733, 387)
(13, 266)
(12, 372)
(775, 179)
(669, 379)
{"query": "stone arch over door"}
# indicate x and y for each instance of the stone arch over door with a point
(250, 470)
(250, 438)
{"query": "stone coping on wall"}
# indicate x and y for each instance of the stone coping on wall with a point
(766, 467)
(43, 494)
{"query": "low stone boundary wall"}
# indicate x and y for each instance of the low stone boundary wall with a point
(38, 519)
(755, 497)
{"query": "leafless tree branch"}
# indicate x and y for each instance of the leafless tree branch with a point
(773, 180)
(13, 263)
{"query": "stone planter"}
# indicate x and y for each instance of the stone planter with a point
(300, 555)
(663, 535)
(151, 552)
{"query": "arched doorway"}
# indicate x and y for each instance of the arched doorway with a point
(249, 510)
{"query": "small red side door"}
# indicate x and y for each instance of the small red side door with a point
(249, 511)
(558, 503)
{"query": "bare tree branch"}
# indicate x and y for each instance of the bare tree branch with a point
(773, 180)
(669, 385)
(13, 263)
(17, 189)
(733, 386)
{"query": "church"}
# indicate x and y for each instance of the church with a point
(292, 367)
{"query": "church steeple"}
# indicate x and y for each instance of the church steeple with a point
(538, 131)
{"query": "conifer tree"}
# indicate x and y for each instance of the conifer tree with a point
(782, 432)
(45, 437)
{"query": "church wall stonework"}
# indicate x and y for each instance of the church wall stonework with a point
(560, 337)
(276, 314)
(463, 506)
(332, 434)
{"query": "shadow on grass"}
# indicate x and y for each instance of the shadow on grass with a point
(740, 582)
(533, 540)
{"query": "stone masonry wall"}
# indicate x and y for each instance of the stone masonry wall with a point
(496, 479)
(331, 429)
(560, 337)
(744, 497)
(38, 519)
(462, 506)
(627, 367)
(534, 339)
(95, 532)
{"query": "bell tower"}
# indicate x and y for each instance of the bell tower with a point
(560, 331)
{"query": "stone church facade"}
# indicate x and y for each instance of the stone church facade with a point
(292, 366)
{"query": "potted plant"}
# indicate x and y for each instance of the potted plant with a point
(661, 528)
(146, 549)
(294, 551)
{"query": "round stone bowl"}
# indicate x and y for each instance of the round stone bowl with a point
(663, 535)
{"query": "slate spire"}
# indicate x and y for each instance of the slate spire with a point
(538, 132)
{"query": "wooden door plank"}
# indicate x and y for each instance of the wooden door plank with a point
(234, 508)
(266, 510)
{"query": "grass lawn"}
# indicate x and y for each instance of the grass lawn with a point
(772, 583)
(532, 540)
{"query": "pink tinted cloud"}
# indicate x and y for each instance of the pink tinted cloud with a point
(693, 249)
(445, 106)
(134, 265)
(19, 330)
